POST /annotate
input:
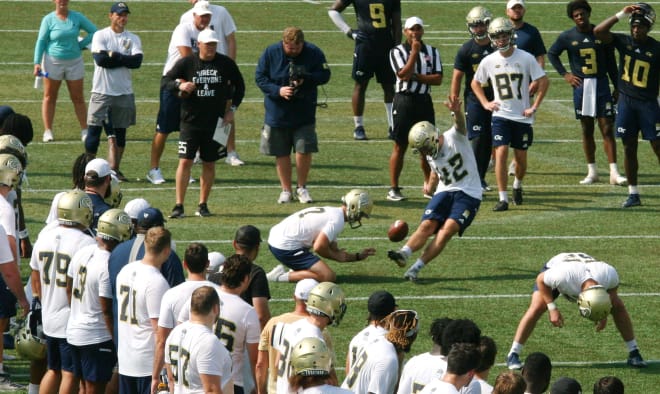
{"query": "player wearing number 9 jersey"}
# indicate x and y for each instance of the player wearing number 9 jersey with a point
(140, 288)
(196, 361)
(639, 81)
(50, 260)
(509, 70)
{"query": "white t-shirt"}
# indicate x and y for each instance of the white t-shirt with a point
(300, 229)
(376, 369)
(51, 256)
(8, 217)
(184, 35)
(175, 299)
(419, 371)
(360, 340)
(567, 271)
(192, 349)
(52, 213)
(285, 337)
(140, 288)
(239, 326)
(114, 81)
(89, 273)
(5, 252)
(510, 78)
(221, 21)
(486, 388)
(439, 387)
(325, 389)
(456, 166)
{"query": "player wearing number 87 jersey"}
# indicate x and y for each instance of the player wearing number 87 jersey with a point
(509, 70)
(458, 194)
(639, 81)
(90, 321)
(50, 260)
(196, 361)
(140, 287)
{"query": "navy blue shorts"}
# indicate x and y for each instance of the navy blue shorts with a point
(454, 205)
(169, 112)
(299, 259)
(508, 132)
(7, 301)
(59, 355)
(95, 361)
(478, 120)
(408, 109)
(134, 385)
(370, 59)
(604, 101)
(634, 115)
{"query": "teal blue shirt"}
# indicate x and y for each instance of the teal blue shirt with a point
(59, 38)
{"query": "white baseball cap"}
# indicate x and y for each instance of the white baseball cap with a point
(303, 288)
(216, 259)
(207, 35)
(100, 166)
(202, 8)
(513, 3)
(412, 21)
(135, 206)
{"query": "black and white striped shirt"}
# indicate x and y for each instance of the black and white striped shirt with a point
(428, 63)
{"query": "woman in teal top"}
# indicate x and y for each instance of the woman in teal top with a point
(58, 52)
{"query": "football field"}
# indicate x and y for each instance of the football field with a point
(487, 275)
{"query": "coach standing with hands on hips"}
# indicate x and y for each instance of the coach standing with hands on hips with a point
(60, 51)
(211, 88)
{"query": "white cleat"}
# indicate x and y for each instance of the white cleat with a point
(589, 180)
(48, 136)
(275, 275)
(618, 180)
(155, 176)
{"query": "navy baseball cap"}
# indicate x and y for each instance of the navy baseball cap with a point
(119, 8)
(150, 217)
(381, 303)
(248, 236)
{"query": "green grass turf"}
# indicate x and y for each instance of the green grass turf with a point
(486, 276)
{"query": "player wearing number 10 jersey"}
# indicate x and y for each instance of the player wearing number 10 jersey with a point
(140, 288)
(639, 79)
(509, 70)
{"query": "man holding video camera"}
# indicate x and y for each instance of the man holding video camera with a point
(288, 73)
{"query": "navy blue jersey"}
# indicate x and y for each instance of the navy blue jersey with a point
(588, 57)
(374, 20)
(639, 66)
(529, 40)
(99, 207)
(467, 60)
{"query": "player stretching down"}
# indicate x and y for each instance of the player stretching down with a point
(458, 196)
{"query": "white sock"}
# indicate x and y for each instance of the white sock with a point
(358, 120)
(516, 347)
(632, 345)
(517, 183)
(33, 388)
(406, 251)
(592, 172)
(614, 169)
(419, 264)
(633, 189)
(284, 277)
(388, 112)
(504, 196)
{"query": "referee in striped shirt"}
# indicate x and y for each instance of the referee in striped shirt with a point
(417, 66)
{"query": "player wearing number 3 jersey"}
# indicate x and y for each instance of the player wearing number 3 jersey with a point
(509, 70)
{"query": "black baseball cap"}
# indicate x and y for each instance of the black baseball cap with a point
(381, 303)
(248, 236)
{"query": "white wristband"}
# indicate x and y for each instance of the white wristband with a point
(552, 306)
(620, 15)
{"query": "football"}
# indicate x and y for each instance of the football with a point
(398, 231)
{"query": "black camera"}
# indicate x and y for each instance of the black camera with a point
(296, 76)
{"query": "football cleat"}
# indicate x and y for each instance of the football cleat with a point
(518, 196)
(311, 357)
(594, 303)
(48, 136)
(327, 299)
(358, 205)
(478, 16)
(513, 361)
(303, 195)
(589, 180)
(177, 212)
(633, 200)
(115, 224)
(233, 160)
(423, 138)
(11, 170)
(359, 134)
(276, 273)
(500, 32)
(203, 210)
(285, 197)
(411, 275)
(397, 257)
(635, 359)
(394, 194)
(155, 176)
(618, 180)
(501, 206)
(75, 208)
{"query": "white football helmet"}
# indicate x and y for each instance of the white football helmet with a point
(477, 16)
(11, 170)
(30, 342)
(358, 205)
(13, 146)
(75, 207)
(327, 299)
(423, 138)
(502, 28)
(115, 195)
(594, 303)
(114, 224)
(311, 357)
